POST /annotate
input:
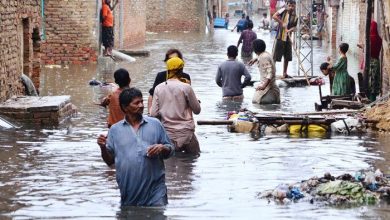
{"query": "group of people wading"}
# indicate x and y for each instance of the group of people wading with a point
(230, 71)
(341, 83)
(137, 144)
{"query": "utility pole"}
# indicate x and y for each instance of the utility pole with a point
(367, 46)
(304, 46)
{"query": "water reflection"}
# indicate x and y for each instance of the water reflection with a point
(180, 182)
(228, 106)
(141, 213)
(58, 173)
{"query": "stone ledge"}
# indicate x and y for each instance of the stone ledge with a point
(45, 110)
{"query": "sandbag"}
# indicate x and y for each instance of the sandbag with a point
(347, 126)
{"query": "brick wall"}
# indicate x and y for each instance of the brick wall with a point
(175, 15)
(18, 19)
(130, 23)
(46, 110)
(71, 32)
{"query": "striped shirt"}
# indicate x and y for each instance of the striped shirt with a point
(289, 18)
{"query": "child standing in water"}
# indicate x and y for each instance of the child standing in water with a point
(264, 22)
(227, 21)
(341, 83)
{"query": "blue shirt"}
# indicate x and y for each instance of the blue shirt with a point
(141, 179)
(242, 23)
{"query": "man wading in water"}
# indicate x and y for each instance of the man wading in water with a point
(267, 92)
(174, 102)
(137, 146)
(246, 38)
(229, 76)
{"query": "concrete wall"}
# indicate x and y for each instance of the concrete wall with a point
(175, 15)
(130, 23)
(331, 25)
(348, 25)
(18, 20)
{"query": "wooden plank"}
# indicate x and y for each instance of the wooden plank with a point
(215, 122)
(298, 122)
(332, 112)
(336, 103)
(295, 81)
(326, 121)
(324, 113)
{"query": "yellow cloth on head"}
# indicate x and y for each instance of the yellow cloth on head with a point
(175, 66)
(175, 63)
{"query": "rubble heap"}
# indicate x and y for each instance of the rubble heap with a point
(380, 112)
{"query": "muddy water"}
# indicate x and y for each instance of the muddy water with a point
(57, 172)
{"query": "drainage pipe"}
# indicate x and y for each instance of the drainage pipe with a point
(43, 36)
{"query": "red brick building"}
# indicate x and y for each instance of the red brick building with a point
(72, 29)
(175, 15)
(19, 45)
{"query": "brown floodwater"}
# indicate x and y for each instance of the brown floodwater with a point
(57, 172)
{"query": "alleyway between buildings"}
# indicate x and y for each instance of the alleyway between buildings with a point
(58, 172)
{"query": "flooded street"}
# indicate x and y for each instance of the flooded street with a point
(58, 172)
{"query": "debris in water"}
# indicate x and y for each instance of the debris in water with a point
(364, 188)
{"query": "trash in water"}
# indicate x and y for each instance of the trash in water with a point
(94, 82)
(364, 188)
(4, 124)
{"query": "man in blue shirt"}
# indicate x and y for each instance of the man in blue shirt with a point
(137, 146)
(241, 24)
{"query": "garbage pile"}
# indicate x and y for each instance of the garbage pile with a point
(243, 121)
(363, 188)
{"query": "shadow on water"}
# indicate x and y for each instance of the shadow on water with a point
(58, 173)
